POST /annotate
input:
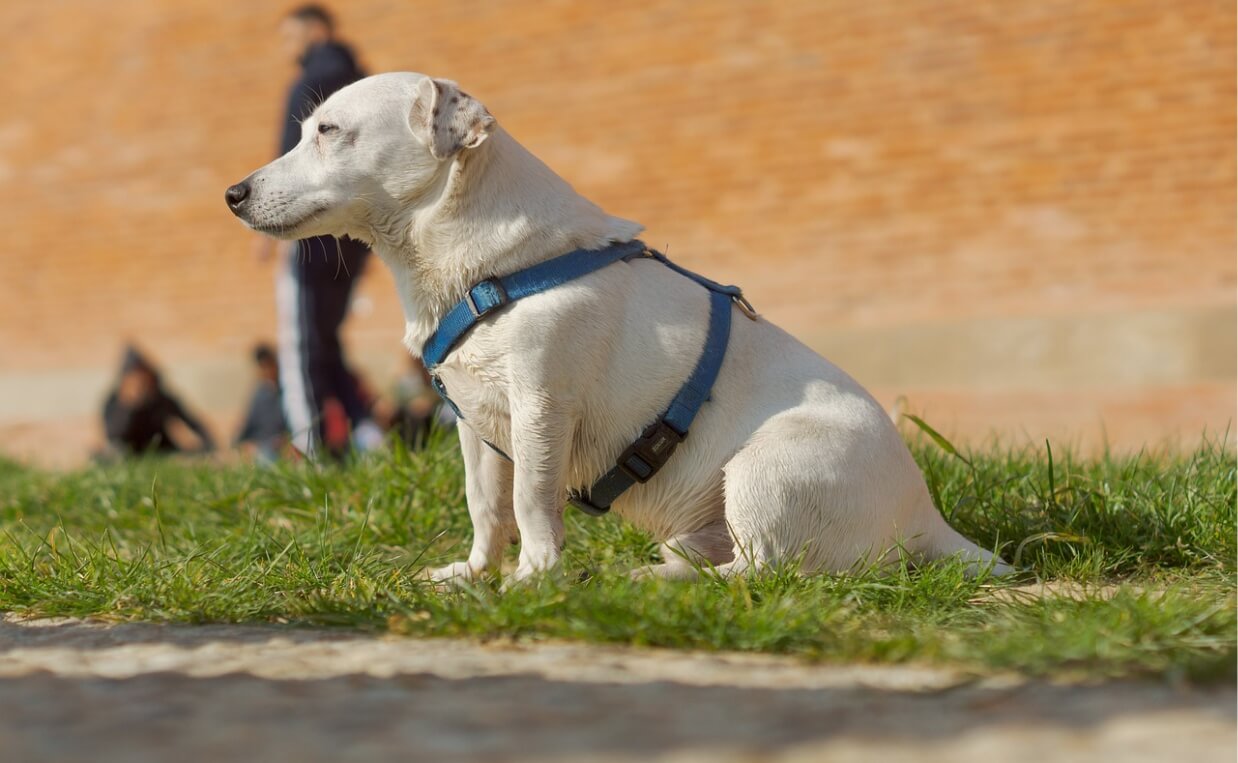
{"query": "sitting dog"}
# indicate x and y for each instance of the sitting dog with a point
(789, 461)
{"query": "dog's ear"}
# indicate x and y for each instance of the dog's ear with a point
(447, 118)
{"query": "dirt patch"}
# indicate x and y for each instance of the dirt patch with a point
(1059, 589)
(73, 690)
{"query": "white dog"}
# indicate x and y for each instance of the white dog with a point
(790, 460)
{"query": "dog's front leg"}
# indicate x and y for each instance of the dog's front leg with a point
(488, 490)
(540, 443)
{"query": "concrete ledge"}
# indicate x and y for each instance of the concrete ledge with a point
(1124, 379)
(1159, 348)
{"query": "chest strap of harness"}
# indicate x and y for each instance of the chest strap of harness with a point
(641, 460)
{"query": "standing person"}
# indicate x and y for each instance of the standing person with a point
(138, 411)
(314, 289)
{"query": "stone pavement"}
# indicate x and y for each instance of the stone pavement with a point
(72, 690)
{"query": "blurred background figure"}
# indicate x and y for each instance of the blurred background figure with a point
(139, 412)
(337, 433)
(265, 429)
(319, 273)
(415, 408)
(1017, 219)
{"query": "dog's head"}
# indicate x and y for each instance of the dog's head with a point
(368, 151)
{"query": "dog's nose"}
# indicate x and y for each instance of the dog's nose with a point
(236, 195)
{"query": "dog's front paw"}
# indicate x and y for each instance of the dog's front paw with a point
(535, 563)
(530, 575)
(522, 576)
(453, 574)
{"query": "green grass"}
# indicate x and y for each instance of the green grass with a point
(1149, 539)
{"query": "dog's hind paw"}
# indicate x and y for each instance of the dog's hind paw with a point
(680, 571)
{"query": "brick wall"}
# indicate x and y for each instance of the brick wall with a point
(1014, 214)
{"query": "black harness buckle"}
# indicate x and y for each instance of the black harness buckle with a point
(581, 501)
(638, 463)
(643, 458)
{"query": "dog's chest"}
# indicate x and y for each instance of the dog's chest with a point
(485, 386)
(481, 394)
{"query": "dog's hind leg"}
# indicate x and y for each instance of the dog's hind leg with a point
(811, 495)
(684, 555)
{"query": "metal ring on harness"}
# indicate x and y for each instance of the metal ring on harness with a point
(745, 306)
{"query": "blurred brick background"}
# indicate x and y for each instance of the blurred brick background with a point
(1010, 217)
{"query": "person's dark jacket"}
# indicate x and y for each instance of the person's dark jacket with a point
(325, 68)
(143, 428)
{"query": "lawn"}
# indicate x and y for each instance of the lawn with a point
(1143, 547)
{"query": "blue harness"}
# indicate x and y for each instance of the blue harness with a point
(641, 460)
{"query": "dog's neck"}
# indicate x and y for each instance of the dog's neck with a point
(497, 209)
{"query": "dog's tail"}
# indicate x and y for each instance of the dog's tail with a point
(941, 541)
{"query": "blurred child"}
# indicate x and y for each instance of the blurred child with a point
(265, 428)
(417, 407)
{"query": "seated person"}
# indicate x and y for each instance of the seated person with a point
(265, 427)
(137, 413)
(417, 407)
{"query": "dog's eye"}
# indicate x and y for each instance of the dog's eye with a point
(324, 128)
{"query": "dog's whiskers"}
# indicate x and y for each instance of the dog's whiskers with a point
(339, 260)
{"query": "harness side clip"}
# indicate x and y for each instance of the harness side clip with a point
(650, 452)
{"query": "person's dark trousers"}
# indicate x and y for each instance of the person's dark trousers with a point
(313, 295)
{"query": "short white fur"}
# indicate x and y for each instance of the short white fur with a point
(790, 462)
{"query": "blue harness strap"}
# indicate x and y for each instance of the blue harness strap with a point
(645, 457)
(491, 294)
(641, 460)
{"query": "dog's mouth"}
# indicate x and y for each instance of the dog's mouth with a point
(282, 229)
(272, 229)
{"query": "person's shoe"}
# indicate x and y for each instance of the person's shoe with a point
(367, 436)
(334, 428)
